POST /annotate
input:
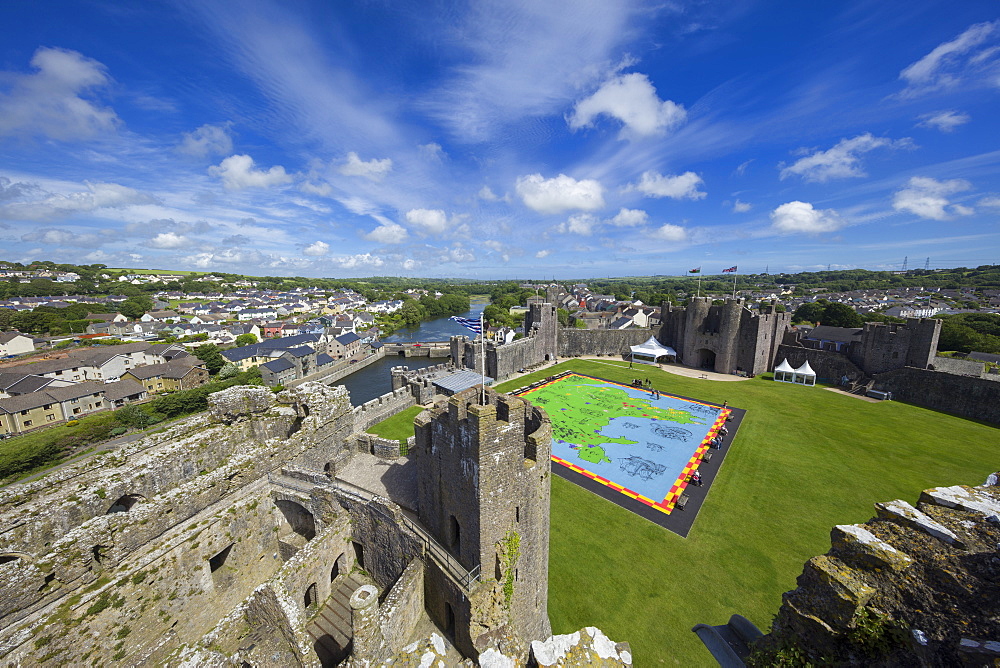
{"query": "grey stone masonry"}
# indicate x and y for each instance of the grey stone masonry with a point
(483, 492)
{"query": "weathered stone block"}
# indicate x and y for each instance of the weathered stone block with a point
(856, 545)
(903, 513)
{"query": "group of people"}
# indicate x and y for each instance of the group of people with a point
(638, 382)
(716, 443)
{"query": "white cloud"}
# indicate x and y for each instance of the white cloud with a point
(579, 223)
(58, 237)
(433, 221)
(458, 253)
(654, 184)
(669, 232)
(543, 253)
(741, 207)
(374, 170)
(169, 240)
(950, 63)
(795, 217)
(388, 233)
(432, 151)
(410, 264)
(98, 256)
(841, 161)
(486, 193)
(50, 102)
(207, 140)
(317, 249)
(359, 260)
(28, 202)
(990, 202)
(631, 99)
(629, 218)
(559, 194)
(493, 245)
(502, 82)
(228, 256)
(928, 198)
(238, 172)
(945, 121)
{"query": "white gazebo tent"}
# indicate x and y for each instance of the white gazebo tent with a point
(804, 375)
(784, 373)
(652, 348)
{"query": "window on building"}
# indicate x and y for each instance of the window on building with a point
(27, 423)
(47, 407)
(50, 417)
(76, 411)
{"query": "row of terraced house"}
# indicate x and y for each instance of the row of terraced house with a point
(88, 380)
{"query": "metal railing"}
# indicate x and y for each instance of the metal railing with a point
(441, 556)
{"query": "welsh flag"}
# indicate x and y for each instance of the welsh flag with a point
(694, 271)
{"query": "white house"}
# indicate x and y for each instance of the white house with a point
(15, 343)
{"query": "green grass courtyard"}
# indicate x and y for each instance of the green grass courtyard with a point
(805, 460)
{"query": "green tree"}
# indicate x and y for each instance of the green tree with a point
(134, 307)
(809, 312)
(228, 371)
(562, 315)
(132, 416)
(841, 315)
(246, 339)
(210, 355)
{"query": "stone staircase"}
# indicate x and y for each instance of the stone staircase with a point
(330, 628)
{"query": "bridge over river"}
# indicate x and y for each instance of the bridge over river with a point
(418, 349)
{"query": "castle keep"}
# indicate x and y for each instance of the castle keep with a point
(725, 337)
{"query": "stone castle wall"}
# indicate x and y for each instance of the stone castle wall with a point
(829, 366)
(959, 367)
(381, 408)
(196, 527)
(912, 586)
(975, 398)
(577, 342)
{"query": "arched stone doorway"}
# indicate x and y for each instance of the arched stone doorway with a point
(704, 359)
(296, 527)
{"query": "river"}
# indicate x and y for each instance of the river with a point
(375, 380)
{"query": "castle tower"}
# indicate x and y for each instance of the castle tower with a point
(542, 324)
(885, 347)
(483, 493)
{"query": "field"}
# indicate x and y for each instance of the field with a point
(805, 460)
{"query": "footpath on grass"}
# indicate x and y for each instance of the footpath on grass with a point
(98, 449)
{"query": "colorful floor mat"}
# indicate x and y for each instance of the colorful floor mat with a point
(633, 441)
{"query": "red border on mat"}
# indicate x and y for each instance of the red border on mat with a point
(670, 500)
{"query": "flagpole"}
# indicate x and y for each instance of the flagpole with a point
(482, 334)
(699, 283)
(734, 284)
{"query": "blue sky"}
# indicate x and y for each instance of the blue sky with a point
(500, 139)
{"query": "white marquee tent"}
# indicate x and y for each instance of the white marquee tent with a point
(652, 348)
(804, 375)
(784, 372)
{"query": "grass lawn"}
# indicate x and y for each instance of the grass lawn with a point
(805, 460)
(399, 426)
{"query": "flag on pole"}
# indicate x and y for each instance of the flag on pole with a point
(475, 325)
(694, 271)
(731, 269)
